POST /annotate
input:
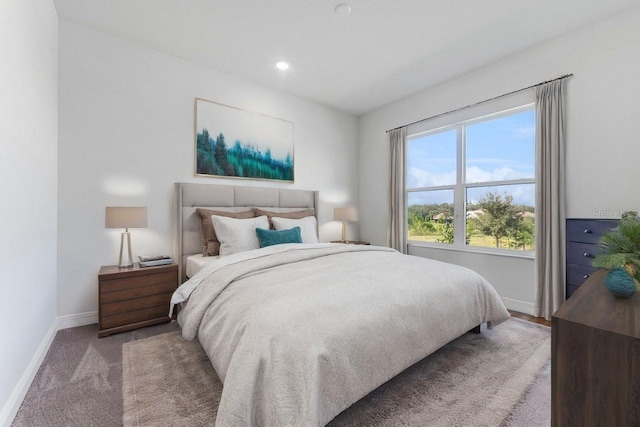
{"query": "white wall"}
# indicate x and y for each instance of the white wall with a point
(602, 130)
(28, 183)
(127, 134)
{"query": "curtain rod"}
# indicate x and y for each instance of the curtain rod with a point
(486, 100)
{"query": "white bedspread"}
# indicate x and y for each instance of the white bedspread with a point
(298, 333)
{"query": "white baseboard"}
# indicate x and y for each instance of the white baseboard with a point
(12, 405)
(521, 306)
(79, 319)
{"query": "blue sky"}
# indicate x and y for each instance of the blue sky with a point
(497, 149)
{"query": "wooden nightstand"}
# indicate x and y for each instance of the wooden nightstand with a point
(351, 242)
(131, 298)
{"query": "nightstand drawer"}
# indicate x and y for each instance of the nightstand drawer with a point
(107, 309)
(132, 317)
(124, 283)
(137, 292)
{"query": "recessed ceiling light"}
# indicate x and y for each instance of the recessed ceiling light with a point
(282, 65)
(343, 9)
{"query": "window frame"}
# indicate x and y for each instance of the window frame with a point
(460, 187)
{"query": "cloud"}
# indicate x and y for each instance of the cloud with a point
(475, 174)
(417, 178)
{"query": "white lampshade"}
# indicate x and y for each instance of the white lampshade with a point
(125, 217)
(345, 214)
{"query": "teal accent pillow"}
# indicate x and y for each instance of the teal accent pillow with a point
(278, 237)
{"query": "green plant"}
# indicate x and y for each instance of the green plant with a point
(621, 247)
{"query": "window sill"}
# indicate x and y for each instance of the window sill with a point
(476, 250)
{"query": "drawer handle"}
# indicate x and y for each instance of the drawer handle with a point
(587, 231)
(586, 276)
(587, 255)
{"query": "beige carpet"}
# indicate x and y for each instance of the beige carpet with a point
(477, 380)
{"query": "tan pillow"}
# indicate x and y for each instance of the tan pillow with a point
(210, 243)
(290, 215)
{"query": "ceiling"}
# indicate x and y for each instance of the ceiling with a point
(383, 51)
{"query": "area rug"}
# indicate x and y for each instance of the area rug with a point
(476, 380)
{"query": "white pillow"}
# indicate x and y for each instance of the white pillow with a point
(308, 227)
(238, 235)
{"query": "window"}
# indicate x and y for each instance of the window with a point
(472, 183)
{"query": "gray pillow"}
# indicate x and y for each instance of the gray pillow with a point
(288, 214)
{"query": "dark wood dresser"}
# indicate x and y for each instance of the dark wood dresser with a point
(583, 236)
(131, 298)
(595, 358)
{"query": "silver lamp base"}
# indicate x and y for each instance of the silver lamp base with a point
(121, 263)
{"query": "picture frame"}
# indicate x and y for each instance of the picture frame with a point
(235, 143)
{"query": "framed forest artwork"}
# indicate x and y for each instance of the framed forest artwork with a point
(234, 143)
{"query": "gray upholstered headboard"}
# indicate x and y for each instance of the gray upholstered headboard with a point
(188, 197)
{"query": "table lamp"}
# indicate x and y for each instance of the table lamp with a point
(125, 217)
(345, 215)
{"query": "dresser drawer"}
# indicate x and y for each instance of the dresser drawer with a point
(577, 274)
(581, 253)
(588, 230)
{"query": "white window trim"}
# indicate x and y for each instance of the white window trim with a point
(473, 249)
(459, 122)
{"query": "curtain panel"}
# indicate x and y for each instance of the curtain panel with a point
(396, 231)
(550, 197)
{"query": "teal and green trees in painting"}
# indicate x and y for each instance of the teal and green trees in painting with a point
(214, 157)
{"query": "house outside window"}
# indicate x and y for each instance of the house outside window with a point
(471, 184)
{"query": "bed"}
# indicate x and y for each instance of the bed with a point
(299, 332)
